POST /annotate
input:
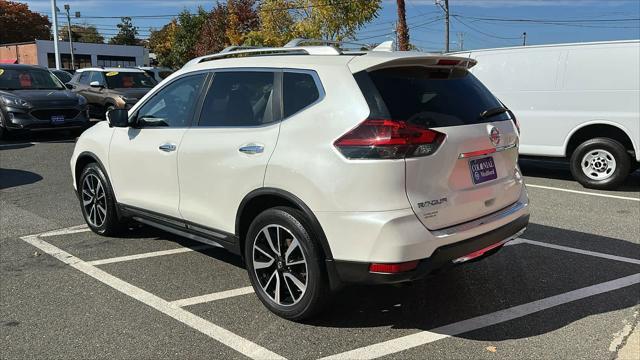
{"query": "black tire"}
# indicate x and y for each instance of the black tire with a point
(110, 224)
(314, 297)
(610, 181)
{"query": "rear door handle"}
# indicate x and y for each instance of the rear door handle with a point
(167, 147)
(252, 149)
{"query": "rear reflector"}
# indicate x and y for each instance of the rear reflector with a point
(476, 153)
(478, 253)
(388, 139)
(393, 268)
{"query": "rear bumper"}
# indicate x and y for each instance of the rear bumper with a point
(442, 257)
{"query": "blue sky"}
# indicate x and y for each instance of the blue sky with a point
(423, 17)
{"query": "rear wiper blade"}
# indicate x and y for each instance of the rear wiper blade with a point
(494, 111)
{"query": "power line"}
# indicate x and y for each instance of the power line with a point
(457, 18)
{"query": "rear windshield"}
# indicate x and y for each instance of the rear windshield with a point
(117, 80)
(432, 97)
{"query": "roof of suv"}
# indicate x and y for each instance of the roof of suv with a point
(110, 69)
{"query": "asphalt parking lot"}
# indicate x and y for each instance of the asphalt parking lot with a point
(569, 288)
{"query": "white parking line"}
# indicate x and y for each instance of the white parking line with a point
(148, 255)
(424, 337)
(583, 192)
(213, 296)
(580, 251)
(224, 336)
(66, 231)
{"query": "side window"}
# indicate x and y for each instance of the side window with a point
(173, 105)
(299, 91)
(84, 77)
(239, 98)
(96, 76)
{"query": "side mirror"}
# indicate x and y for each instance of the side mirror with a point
(118, 118)
(95, 84)
(68, 86)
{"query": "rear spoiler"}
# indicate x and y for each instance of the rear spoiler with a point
(378, 60)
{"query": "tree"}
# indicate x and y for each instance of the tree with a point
(277, 25)
(18, 23)
(81, 33)
(333, 19)
(127, 33)
(213, 36)
(161, 43)
(242, 19)
(187, 35)
(401, 27)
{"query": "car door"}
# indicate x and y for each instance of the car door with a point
(225, 155)
(143, 158)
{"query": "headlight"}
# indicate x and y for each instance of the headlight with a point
(15, 101)
(82, 100)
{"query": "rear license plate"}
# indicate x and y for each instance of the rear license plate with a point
(57, 119)
(483, 170)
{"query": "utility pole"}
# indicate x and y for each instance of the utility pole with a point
(445, 8)
(401, 27)
(73, 63)
(460, 41)
(524, 38)
(54, 15)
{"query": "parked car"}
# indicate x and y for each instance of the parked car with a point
(63, 75)
(111, 88)
(319, 167)
(158, 73)
(577, 101)
(32, 98)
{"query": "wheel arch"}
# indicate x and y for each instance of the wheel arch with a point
(264, 198)
(599, 128)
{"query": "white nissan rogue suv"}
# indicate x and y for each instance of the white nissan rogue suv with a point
(320, 167)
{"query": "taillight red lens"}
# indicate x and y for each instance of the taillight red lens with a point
(393, 268)
(388, 139)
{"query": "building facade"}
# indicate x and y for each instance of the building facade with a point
(40, 52)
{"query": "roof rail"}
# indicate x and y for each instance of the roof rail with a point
(235, 48)
(251, 52)
(302, 41)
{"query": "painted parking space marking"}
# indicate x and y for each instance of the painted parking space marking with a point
(580, 251)
(226, 337)
(148, 255)
(424, 337)
(583, 192)
(66, 231)
(213, 297)
(253, 350)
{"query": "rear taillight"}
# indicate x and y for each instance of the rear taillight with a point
(388, 139)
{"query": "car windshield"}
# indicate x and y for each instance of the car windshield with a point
(28, 79)
(64, 76)
(116, 80)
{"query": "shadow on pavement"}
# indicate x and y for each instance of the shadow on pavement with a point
(516, 275)
(559, 169)
(11, 178)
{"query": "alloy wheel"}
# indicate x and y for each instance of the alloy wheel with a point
(94, 200)
(598, 164)
(280, 265)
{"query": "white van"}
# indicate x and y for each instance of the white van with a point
(579, 101)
